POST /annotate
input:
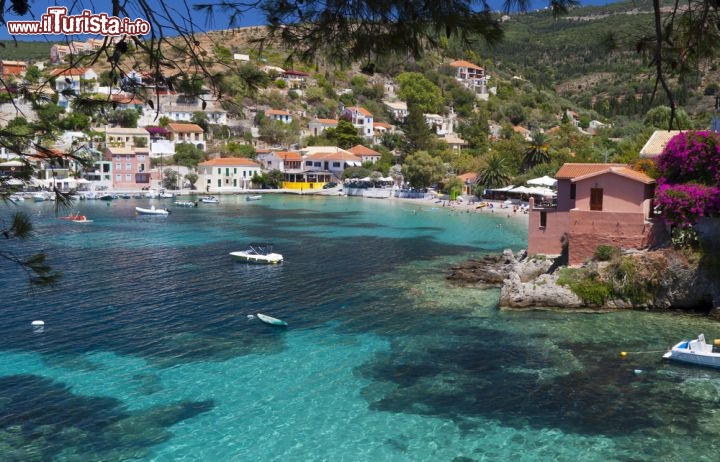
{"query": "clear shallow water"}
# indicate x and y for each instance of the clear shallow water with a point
(148, 353)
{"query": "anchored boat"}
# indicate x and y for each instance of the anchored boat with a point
(258, 253)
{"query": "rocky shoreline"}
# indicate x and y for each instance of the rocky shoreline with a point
(531, 282)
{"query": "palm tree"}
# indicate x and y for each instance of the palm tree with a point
(495, 172)
(536, 152)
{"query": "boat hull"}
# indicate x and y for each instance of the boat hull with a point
(269, 259)
(695, 352)
(271, 321)
(143, 211)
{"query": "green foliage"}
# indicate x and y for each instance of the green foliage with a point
(19, 226)
(634, 282)
(418, 91)
(453, 186)
(659, 118)
(494, 173)
(606, 252)
(684, 238)
(586, 285)
(345, 135)
(191, 178)
(127, 118)
(422, 170)
(170, 179)
(240, 150)
(188, 155)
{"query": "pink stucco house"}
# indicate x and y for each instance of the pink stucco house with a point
(597, 204)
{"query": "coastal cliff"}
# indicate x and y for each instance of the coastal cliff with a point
(654, 280)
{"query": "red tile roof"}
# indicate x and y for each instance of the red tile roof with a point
(68, 72)
(360, 150)
(185, 128)
(276, 112)
(333, 156)
(468, 64)
(361, 110)
(622, 171)
(571, 170)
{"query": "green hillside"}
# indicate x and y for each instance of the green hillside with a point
(25, 50)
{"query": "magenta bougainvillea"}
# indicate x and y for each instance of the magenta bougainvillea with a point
(689, 183)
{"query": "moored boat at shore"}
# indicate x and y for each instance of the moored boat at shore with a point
(209, 200)
(697, 352)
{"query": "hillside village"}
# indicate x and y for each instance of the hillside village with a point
(298, 124)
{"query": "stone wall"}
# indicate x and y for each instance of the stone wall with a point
(589, 229)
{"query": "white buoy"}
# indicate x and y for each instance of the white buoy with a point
(38, 326)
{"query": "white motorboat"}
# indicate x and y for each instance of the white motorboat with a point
(270, 320)
(185, 204)
(209, 200)
(152, 211)
(258, 253)
(253, 198)
(696, 351)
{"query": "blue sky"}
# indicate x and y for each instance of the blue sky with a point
(219, 21)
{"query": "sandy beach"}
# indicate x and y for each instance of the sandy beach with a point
(494, 207)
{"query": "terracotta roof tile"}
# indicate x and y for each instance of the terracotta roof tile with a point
(185, 128)
(570, 170)
(333, 156)
(621, 170)
(360, 150)
(462, 63)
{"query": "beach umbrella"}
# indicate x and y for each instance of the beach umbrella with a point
(543, 181)
(520, 190)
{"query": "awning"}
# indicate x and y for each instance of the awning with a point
(543, 181)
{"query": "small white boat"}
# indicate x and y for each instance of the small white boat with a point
(270, 320)
(253, 198)
(185, 204)
(152, 211)
(258, 253)
(696, 352)
(209, 200)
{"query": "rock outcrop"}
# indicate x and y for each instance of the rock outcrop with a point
(532, 282)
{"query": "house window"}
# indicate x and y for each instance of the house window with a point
(336, 164)
(128, 178)
(543, 219)
(573, 190)
(128, 166)
(596, 199)
(118, 178)
(227, 171)
(308, 163)
(235, 171)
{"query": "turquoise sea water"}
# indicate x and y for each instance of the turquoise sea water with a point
(148, 353)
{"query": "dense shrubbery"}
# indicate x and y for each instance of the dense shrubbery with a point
(689, 170)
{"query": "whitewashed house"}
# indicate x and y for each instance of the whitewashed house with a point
(227, 174)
